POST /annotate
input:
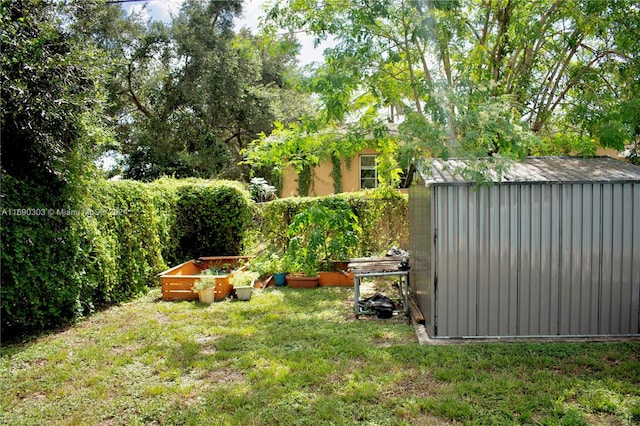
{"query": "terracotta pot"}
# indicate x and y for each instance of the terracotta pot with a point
(300, 281)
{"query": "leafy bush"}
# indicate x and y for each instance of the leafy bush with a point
(268, 262)
(51, 115)
(108, 246)
(122, 245)
(384, 218)
(41, 286)
(319, 235)
(110, 243)
(382, 215)
(211, 219)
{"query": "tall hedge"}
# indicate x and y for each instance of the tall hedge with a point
(382, 214)
(121, 245)
(62, 261)
(210, 220)
(41, 287)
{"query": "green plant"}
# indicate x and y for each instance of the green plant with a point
(336, 172)
(382, 214)
(243, 278)
(211, 218)
(224, 266)
(321, 234)
(300, 260)
(53, 105)
(267, 263)
(277, 264)
(207, 280)
(110, 243)
(258, 265)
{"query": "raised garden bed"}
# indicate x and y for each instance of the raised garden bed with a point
(301, 281)
(336, 279)
(178, 281)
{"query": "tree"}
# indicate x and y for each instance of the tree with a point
(191, 94)
(516, 70)
(304, 145)
(51, 130)
(51, 95)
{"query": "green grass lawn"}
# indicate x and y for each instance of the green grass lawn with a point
(299, 357)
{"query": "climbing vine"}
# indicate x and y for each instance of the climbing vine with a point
(336, 173)
(304, 180)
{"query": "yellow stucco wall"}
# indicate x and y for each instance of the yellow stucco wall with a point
(323, 181)
(610, 152)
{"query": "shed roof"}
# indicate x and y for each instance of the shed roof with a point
(541, 170)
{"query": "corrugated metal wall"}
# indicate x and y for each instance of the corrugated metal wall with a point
(420, 246)
(528, 259)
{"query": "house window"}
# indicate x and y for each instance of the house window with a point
(368, 172)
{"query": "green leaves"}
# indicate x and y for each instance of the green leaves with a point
(48, 84)
(381, 221)
(72, 259)
(52, 124)
(210, 220)
(474, 77)
(193, 93)
(321, 234)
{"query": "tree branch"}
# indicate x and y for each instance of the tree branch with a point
(132, 93)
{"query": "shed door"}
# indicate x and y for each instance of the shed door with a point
(454, 273)
(475, 266)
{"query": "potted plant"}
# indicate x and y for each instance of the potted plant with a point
(302, 258)
(277, 267)
(325, 235)
(205, 286)
(242, 282)
(305, 269)
(268, 265)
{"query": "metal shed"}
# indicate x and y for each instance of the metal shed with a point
(552, 249)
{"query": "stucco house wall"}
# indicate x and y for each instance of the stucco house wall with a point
(322, 179)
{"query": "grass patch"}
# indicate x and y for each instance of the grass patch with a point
(299, 357)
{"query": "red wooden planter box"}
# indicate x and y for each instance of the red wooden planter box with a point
(178, 281)
(336, 279)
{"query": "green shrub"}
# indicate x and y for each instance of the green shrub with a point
(382, 215)
(384, 218)
(322, 234)
(124, 251)
(41, 286)
(109, 245)
(211, 219)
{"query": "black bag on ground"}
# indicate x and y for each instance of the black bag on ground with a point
(378, 303)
